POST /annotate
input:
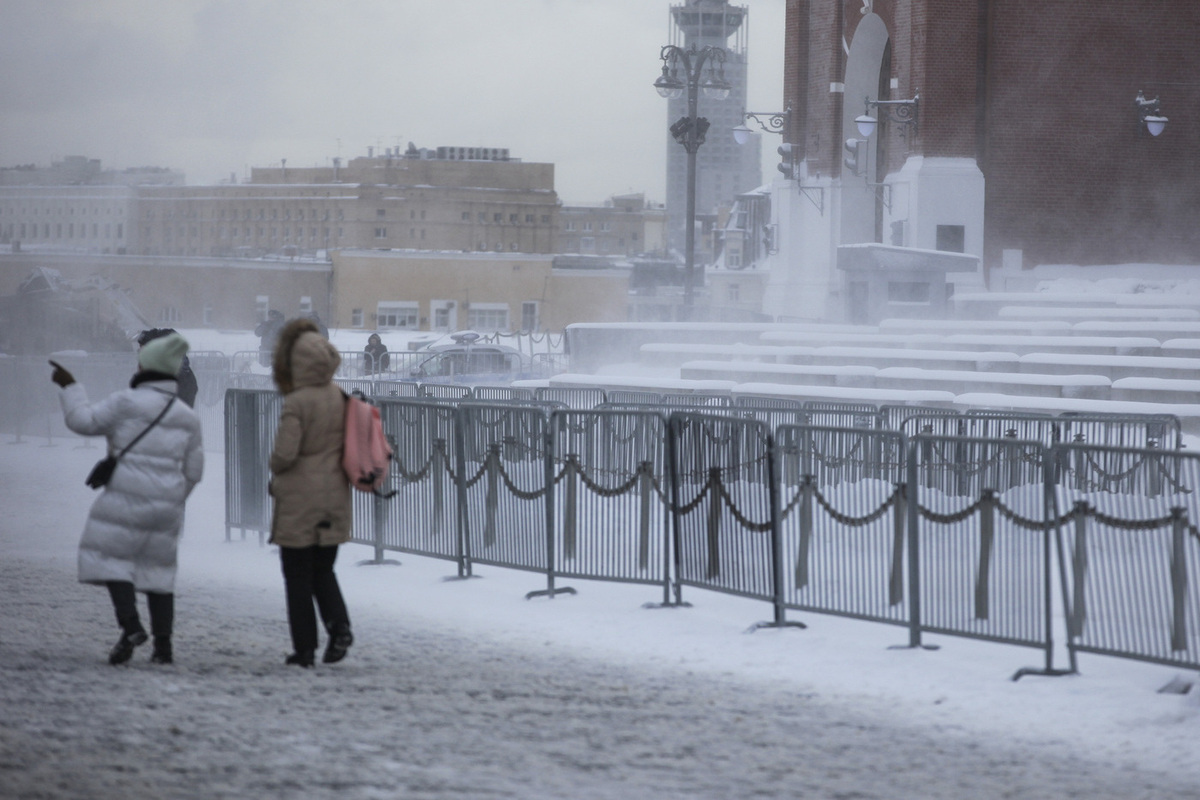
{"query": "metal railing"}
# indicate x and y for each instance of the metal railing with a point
(947, 535)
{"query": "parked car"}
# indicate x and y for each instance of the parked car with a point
(466, 359)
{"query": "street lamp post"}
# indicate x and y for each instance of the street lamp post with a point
(689, 130)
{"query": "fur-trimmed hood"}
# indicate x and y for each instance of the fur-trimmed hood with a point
(303, 357)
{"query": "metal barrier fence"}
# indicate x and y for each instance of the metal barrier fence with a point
(423, 516)
(942, 534)
(612, 484)
(507, 488)
(725, 505)
(979, 544)
(251, 418)
(1132, 551)
(843, 516)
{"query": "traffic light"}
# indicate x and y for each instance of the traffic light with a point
(856, 156)
(788, 165)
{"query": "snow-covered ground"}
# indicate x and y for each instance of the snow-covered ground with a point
(464, 689)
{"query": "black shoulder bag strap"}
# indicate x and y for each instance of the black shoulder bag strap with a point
(157, 419)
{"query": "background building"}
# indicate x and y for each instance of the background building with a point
(625, 225)
(724, 169)
(481, 291)
(1027, 146)
(451, 198)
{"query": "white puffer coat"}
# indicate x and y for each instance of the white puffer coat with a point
(132, 530)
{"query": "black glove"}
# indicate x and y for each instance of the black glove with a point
(60, 375)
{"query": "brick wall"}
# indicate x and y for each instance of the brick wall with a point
(1041, 93)
(1071, 178)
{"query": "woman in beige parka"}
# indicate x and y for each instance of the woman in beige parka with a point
(312, 495)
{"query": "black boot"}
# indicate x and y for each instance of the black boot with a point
(304, 659)
(340, 640)
(162, 651)
(122, 651)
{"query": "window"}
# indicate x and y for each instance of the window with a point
(514, 218)
(379, 213)
(908, 292)
(466, 215)
(529, 315)
(356, 318)
(529, 218)
(497, 217)
(305, 305)
(396, 315)
(488, 317)
(482, 217)
(587, 226)
(587, 244)
(262, 305)
(545, 219)
(207, 314)
(381, 233)
(570, 226)
(168, 314)
(951, 238)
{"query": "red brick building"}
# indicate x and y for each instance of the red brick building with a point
(1027, 136)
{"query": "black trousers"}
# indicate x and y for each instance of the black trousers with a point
(307, 576)
(124, 600)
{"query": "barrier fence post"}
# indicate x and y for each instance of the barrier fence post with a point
(896, 575)
(987, 536)
(492, 498)
(713, 569)
(377, 525)
(570, 505)
(1178, 579)
(914, 563)
(1079, 564)
(645, 495)
(437, 467)
(806, 530)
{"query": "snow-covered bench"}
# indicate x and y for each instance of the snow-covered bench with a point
(1042, 327)
(912, 357)
(1097, 345)
(1188, 413)
(672, 354)
(828, 338)
(1156, 390)
(1040, 385)
(1162, 330)
(845, 394)
(1114, 367)
(1086, 313)
(807, 374)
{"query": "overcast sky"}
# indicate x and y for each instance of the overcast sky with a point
(213, 87)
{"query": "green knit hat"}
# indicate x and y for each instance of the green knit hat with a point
(164, 354)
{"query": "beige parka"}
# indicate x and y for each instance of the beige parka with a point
(312, 494)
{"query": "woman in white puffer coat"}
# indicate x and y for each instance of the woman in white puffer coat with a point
(132, 532)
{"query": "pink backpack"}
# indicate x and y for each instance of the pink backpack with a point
(367, 456)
